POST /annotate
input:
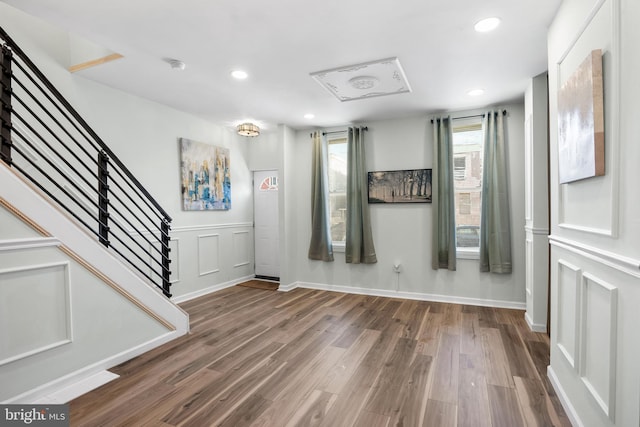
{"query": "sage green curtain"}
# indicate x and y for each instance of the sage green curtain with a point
(495, 224)
(443, 248)
(359, 240)
(320, 247)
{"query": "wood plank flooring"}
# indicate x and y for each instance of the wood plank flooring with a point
(315, 358)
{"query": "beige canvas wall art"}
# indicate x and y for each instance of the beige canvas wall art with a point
(581, 122)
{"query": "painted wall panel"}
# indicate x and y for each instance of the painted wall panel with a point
(598, 353)
(591, 205)
(35, 310)
(57, 319)
(208, 254)
(210, 257)
(241, 248)
(566, 297)
(174, 256)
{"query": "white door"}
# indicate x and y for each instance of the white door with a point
(266, 231)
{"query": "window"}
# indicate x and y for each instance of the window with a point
(467, 167)
(459, 167)
(465, 203)
(337, 149)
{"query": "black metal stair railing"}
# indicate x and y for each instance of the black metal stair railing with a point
(45, 139)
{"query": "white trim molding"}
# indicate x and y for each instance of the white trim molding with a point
(570, 353)
(51, 388)
(201, 255)
(65, 310)
(238, 262)
(605, 398)
(175, 260)
(535, 327)
(406, 295)
(211, 289)
(630, 266)
(537, 230)
(564, 398)
(28, 243)
(190, 228)
(187, 228)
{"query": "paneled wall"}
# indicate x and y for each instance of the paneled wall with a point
(207, 258)
(60, 322)
(595, 226)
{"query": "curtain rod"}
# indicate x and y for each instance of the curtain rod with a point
(338, 131)
(504, 113)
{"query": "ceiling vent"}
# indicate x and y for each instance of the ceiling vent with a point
(366, 80)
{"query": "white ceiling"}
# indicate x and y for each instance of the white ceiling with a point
(280, 42)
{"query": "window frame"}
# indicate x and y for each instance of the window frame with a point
(337, 138)
(465, 125)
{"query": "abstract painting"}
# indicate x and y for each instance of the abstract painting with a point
(581, 122)
(404, 186)
(206, 183)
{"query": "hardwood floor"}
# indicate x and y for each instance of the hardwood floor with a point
(314, 358)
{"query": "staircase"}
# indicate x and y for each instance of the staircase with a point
(50, 145)
(78, 229)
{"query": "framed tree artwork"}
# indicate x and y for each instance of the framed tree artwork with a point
(401, 186)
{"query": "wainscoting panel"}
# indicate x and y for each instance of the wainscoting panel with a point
(35, 310)
(241, 254)
(567, 299)
(208, 254)
(174, 256)
(205, 258)
(598, 352)
(601, 289)
(592, 206)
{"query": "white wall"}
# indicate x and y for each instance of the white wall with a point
(209, 249)
(402, 232)
(595, 225)
(537, 202)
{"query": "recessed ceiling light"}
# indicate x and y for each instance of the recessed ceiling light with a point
(486, 25)
(309, 116)
(239, 74)
(475, 92)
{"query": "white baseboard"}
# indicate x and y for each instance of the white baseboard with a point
(202, 292)
(77, 378)
(535, 327)
(287, 288)
(407, 295)
(67, 394)
(564, 399)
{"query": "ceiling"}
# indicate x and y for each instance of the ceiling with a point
(279, 43)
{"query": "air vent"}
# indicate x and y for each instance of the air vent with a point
(366, 80)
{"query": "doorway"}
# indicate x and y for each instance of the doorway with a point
(266, 225)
